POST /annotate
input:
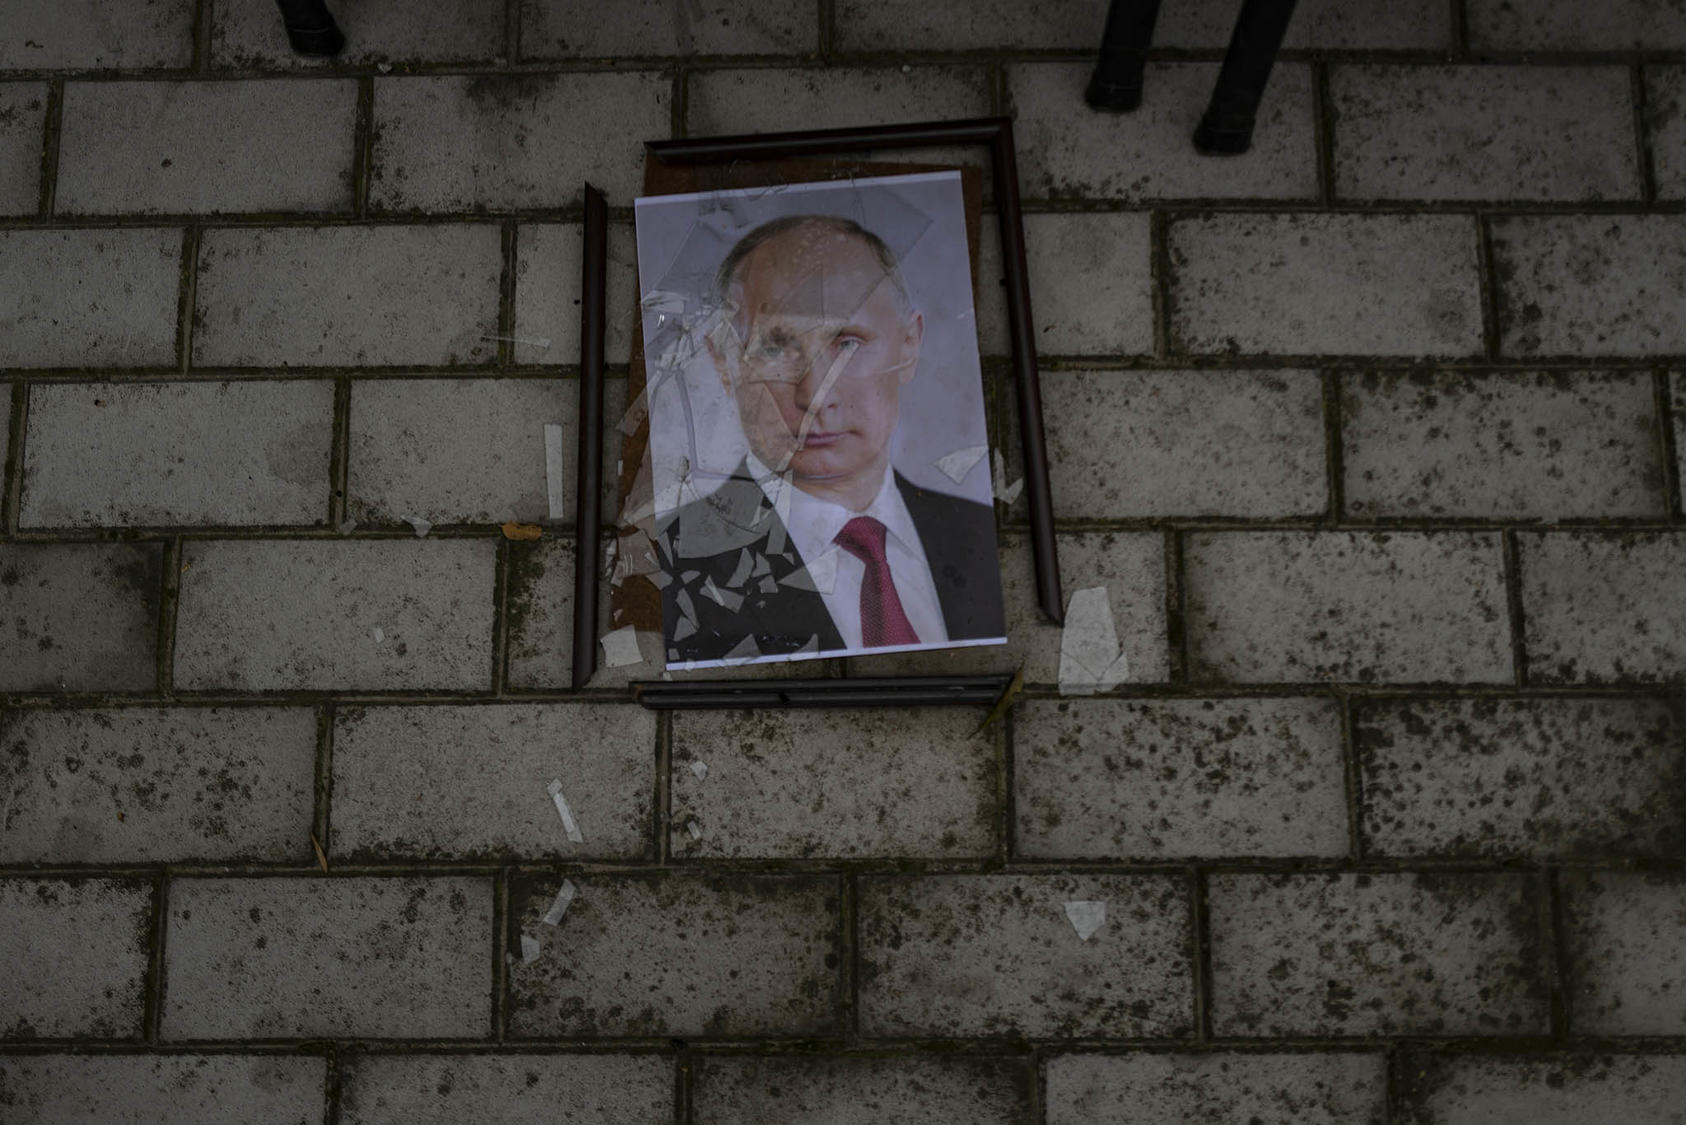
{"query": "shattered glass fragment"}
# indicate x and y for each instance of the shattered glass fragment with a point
(741, 574)
(1091, 659)
(620, 647)
(820, 576)
(1085, 917)
(958, 465)
(726, 599)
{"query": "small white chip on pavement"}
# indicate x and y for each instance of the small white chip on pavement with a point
(553, 916)
(529, 949)
(1086, 918)
(553, 469)
(700, 769)
(620, 647)
(566, 813)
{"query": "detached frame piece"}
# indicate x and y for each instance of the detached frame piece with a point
(997, 133)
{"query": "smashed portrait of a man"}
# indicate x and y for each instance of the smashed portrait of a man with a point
(817, 436)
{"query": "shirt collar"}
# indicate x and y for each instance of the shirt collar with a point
(813, 523)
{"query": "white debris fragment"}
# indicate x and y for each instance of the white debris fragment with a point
(726, 599)
(955, 466)
(694, 829)
(380, 634)
(1006, 493)
(620, 647)
(1086, 918)
(420, 526)
(567, 814)
(1091, 659)
(553, 469)
(553, 916)
(529, 949)
(820, 575)
(741, 574)
(743, 652)
(700, 769)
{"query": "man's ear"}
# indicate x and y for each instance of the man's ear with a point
(910, 346)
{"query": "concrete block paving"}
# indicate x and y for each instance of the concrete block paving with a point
(1374, 437)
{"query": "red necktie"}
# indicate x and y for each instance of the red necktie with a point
(882, 619)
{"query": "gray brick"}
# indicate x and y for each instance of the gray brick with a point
(1665, 120)
(1121, 779)
(300, 958)
(225, 454)
(541, 623)
(809, 784)
(1130, 565)
(1092, 276)
(458, 450)
(1627, 952)
(369, 296)
(875, 25)
(1604, 608)
(971, 955)
(764, 101)
(1295, 605)
(1067, 151)
(206, 147)
(1356, 955)
(136, 785)
(82, 616)
(144, 1089)
(97, 34)
(1504, 445)
(665, 955)
(1541, 1089)
(459, 782)
(23, 116)
(312, 614)
(1396, 285)
(567, 29)
(246, 35)
(547, 294)
(445, 1089)
(1511, 778)
(75, 957)
(1590, 285)
(89, 298)
(918, 1090)
(500, 142)
(1566, 25)
(1484, 132)
(1286, 1089)
(1127, 444)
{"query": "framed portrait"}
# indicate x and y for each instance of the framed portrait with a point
(818, 451)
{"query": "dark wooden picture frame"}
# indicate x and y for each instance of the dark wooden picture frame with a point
(997, 134)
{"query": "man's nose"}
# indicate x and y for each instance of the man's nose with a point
(812, 378)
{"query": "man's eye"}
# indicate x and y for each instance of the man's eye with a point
(770, 351)
(848, 344)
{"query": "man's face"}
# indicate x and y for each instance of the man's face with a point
(820, 346)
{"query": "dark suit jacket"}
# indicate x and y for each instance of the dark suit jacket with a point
(706, 540)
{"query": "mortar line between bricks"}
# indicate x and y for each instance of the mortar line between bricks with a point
(1644, 154)
(152, 1005)
(1323, 131)
(500, 618)
(790, 1046)
(1005, 737)
(1488, 282)
(52, 126)
(1159, 268)
(1393, 1065)
(825, 37)
(188, 298)
(332, 1085)
(363, 146)
(169, 600)
(11, 473)
(848, 956)
(1176, 620)
(506, 294)
(1556, 954)
(1180, 551)
(680, 102)
(1334, 449)
(1459, 25)
(201, 59)
(1038, 1087)
(1354, 779)
(662, 810)
(511, 31)
(1200, 938)
(339, 456)
(1513, 603)
(321, 819)
(1668, 442)
(501, 926)
(682, 1065)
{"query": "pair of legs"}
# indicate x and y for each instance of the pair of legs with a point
(1227, 127)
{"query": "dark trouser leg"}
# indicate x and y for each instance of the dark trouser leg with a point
(310, 28)
(1227, 128)
(1117, 81)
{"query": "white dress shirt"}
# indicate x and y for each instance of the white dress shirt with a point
(813, 524)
